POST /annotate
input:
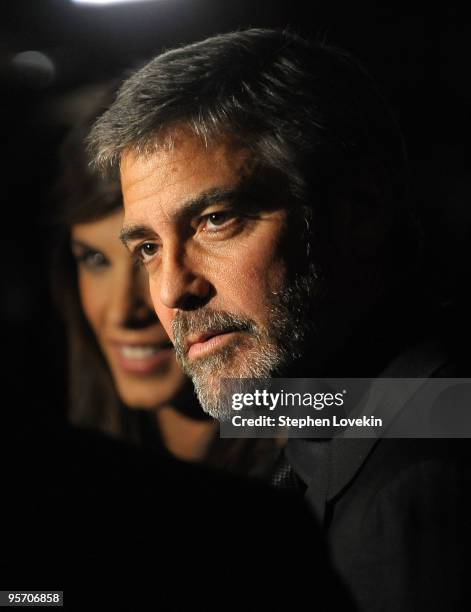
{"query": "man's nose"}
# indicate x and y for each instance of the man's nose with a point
(182, 283)
(130, 305)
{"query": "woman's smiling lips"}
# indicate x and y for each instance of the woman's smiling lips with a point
(142, 358)
(201, 345)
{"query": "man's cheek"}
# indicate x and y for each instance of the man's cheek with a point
(257, 286)
(166, 317)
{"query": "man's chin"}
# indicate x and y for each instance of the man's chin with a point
(241, 363)
(221, 414)
(207, 389)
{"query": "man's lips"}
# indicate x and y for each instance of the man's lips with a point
(199, 345)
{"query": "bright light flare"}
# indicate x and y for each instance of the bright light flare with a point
(106, 2)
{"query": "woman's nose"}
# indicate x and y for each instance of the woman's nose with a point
(131, 304)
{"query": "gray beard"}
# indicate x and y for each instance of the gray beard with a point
(256, 352)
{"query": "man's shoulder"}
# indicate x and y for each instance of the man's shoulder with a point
(410, 460)
(400, 532)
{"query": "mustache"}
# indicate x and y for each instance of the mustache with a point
(207, 320)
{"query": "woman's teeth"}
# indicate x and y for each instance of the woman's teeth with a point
(138, 352)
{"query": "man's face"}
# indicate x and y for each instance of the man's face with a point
(217, 261)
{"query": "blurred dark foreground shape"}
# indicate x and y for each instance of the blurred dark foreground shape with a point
(116, 528)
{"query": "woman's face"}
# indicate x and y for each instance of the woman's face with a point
(115, 299)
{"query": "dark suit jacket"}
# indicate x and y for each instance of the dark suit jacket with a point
(396, 512)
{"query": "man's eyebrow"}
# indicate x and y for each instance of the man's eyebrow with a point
(188, 209)
(135, 232)
(197, 205)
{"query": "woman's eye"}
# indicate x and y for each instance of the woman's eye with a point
(92, 259)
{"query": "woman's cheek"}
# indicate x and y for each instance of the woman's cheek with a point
(92, 294)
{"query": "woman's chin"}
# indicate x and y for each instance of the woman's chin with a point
(146, 399)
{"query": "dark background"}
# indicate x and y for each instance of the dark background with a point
(420, 60)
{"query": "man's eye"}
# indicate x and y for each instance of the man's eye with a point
(216, 220)
(146, 251)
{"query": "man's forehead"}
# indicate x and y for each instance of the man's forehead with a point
(161, 181)
(187, 156)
